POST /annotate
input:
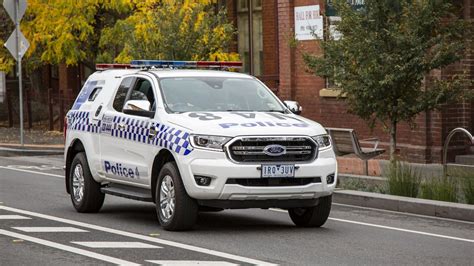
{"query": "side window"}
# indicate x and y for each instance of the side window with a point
(143, 91)
(122, 91)
(94, 94)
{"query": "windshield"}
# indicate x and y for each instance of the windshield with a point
(214, 94)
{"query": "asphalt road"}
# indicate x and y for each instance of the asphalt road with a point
(33, 199)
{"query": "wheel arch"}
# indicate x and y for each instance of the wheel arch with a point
(75, 147)
(164, 156)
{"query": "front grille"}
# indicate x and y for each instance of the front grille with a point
(273, 182)
(251, 149)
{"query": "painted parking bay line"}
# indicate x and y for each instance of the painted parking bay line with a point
(47, 229)
(190, 262)
(13, 217)
(393, 228)
(141, 237)
(67, 248)
(114, 244)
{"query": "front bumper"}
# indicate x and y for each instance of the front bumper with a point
(219, 168)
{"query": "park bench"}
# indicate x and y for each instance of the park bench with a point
(345, 142)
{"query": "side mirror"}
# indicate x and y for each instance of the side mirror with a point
(294, 107)
(138, 107)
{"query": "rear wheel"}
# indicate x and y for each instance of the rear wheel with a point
(175, 209)
(85, 191)
(314, 216)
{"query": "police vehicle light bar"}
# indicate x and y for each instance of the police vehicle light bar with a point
(111, 66)
(171, 64)
(185, 64)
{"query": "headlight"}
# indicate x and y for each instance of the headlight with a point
(323, 141)
(213, 143)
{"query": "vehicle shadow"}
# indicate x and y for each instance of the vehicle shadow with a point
(252, 220)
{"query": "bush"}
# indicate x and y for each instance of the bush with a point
(468, 189)
(467, 184)
(440, 188)
(403, 180)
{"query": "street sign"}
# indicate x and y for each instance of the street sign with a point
(17, 45)
(10, 8)
(3, 86)
(11, 44)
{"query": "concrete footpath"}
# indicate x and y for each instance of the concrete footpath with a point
(434, 208)
(9, 150)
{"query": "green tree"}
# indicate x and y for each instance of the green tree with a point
(171, 30)
(386, 52)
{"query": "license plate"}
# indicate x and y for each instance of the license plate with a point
(278, 170)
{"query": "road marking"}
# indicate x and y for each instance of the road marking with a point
(403, 213)
(141, 237)
(13, 217)
(45, 229)
(44, 167)
(392, 228)
(108, 244)
(31, 172)
(189, 262)
(67, 248)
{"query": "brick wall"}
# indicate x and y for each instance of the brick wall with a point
(421, 142)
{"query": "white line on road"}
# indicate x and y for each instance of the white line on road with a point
(31, 172)
(393, 228)
(141, 237)
(13, 217)
(46, 229)
(189, 262)
(67, 248)
(115, 244)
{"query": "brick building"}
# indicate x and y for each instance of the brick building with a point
(266, 52)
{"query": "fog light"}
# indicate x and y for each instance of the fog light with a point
(330, 179)
(202, 180)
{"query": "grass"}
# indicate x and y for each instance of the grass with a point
(440, 188)
(403, 180)
(468, 189)
(467, 184)
(361, 185)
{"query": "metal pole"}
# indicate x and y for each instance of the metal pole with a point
(18, 59)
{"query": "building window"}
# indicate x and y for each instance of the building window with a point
(250, 38)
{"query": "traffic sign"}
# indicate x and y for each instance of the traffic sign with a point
(11, 45)
(10, 8)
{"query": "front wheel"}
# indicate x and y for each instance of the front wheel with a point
(314, 216)
(175, 209)
(85, 191)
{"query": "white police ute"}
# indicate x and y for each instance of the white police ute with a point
(193, 140)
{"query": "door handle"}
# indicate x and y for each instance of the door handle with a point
(151, 133)
(97, 112)
(121, 126)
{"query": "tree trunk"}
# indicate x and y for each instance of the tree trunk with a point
(393, 140)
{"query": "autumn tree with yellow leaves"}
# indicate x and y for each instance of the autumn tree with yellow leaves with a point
(90, 31)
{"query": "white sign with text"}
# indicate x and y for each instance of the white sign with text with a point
(308, 23)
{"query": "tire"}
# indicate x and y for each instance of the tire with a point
(314, 216)
(176, 211)
(80, 178)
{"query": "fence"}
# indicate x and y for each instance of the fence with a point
(45, 109)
